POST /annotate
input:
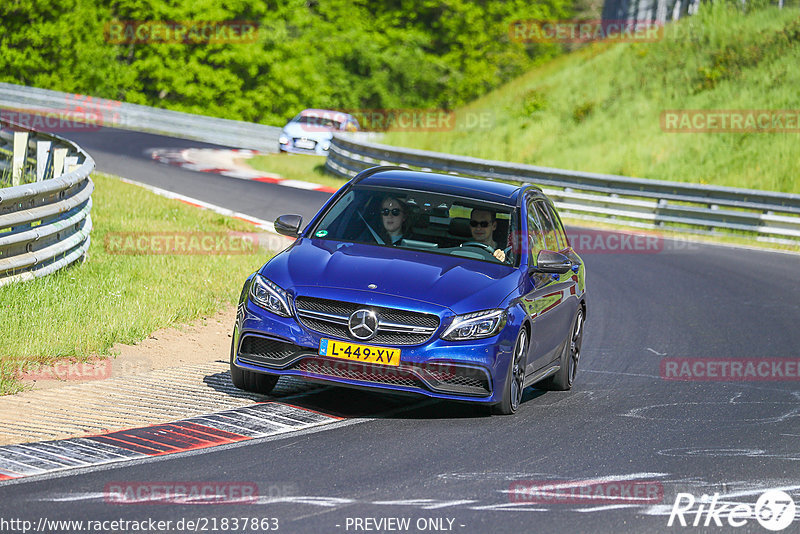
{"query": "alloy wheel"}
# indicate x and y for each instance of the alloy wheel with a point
(575, 347)
(518, 370)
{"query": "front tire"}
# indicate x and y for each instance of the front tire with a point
(249, 380)
(515, 379)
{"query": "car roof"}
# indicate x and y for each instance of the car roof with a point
(339, 116)
(447, 183)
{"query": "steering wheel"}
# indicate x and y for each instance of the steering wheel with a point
(484, 246)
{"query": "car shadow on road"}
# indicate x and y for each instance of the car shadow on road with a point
(353, 403)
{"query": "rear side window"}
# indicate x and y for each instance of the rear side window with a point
(548, 226)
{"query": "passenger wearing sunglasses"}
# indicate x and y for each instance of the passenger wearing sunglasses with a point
(482, 223)
(393, 216)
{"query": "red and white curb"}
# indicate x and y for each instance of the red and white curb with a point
(205, 431)
(275, 241)
(224, 162)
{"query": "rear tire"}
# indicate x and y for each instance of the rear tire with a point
(249, 380)
(512, 392)
(570, 357)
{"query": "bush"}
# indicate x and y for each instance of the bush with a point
(335, 54)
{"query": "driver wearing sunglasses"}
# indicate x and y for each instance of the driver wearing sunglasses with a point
(393, 216)
(482, 224)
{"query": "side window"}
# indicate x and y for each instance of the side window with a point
(548, 227)
(562, 235)
(535, 234)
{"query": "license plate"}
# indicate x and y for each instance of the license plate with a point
(360, 353)
(304, 143)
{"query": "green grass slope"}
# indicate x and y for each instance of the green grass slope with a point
(599, 108)
(80, 312)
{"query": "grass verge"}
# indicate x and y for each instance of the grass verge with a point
(82, 311)
(599, 109)
(296, 167)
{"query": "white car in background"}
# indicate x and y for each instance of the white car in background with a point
(311, 131)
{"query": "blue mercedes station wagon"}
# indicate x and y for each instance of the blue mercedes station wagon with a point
(416, 282)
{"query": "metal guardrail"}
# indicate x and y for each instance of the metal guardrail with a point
(635, 202)
(45, 225)
(116, 114)
(628, 201)
(101, 112)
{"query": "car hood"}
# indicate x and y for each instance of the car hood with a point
(295, 129)
(317, 266)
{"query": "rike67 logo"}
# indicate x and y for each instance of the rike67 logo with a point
(774, 510)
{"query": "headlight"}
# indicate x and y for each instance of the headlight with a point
(475, 325)
(283, 140)
(268, 295)
(326, 145)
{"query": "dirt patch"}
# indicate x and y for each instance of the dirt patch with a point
(206, 340)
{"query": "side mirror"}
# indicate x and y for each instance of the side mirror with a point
(549, 261)
(289, 225)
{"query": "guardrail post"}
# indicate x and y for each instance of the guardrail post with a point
(713, 207)
(42, 159)
(19, 156)
(70, 164)
(662, 203)
(59, 155)
(49, 220)
(612, 195)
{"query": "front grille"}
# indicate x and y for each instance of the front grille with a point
(358, 371)
(311, 148)
(265, 351)
(324, 305)
(395, 327)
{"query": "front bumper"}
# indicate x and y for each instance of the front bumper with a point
(469, 371)
(290, 147)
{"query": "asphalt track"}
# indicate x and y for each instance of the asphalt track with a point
(126, 153)
(409, 457)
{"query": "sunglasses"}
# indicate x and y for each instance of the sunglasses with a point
(393, 211)
(482, 224)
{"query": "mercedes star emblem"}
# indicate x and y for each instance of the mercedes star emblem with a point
(363, 324)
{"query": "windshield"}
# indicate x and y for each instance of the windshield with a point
(423, 221)
(322, 122)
